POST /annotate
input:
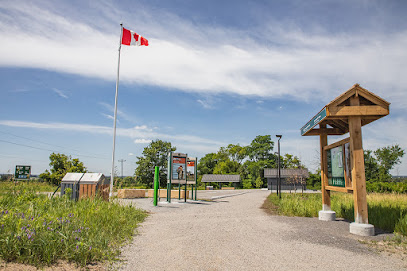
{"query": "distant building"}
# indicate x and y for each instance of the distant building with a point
(290, 178)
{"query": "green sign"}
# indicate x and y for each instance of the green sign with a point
(336, 171)
(314, 121)
(22, 172)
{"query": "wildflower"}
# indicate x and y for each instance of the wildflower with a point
(50, 222)
(18, 237)
(62, 240)
(44, 223)
(28, 225)
(90, 248)
(6, 211)
(23, 228)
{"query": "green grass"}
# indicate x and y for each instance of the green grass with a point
(40, 231)
(37, 186)
(386, 211)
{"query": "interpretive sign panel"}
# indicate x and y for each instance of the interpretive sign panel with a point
(178, 168)
(191, 171)
(336, 173)
(22, 172)
(314, 121)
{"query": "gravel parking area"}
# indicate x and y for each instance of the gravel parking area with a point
(232, 232)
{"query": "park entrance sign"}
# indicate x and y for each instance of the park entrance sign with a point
(342, 163)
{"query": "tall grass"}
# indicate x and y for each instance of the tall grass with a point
(386, 211)
(37, 186)
(39, 231)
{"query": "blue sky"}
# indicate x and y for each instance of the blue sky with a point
(216, 72)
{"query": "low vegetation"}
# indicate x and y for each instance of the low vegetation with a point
(37, 230)
(6, 186)
(386, 211)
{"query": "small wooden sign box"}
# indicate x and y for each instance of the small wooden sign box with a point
(342, 163)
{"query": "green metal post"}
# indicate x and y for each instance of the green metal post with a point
(179, 191)
(185, 195)
(192, 191)
(196, 177)
(169, 186)
(156, 174)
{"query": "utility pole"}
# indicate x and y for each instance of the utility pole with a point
(122, 161)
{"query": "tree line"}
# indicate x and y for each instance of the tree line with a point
(247, 161)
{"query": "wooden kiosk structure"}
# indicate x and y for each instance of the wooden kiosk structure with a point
(342, 163)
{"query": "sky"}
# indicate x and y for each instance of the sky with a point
(214, 73)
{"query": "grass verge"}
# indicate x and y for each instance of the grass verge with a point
(386, 211)
(40, 231)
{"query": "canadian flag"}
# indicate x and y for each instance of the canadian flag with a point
(132, 38)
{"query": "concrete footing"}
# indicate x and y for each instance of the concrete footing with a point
(361, 229)
(327, 215)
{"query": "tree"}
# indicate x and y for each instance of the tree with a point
(261, 148)
(61, 164)
(290, 161)
(155, 154)
(379, 163)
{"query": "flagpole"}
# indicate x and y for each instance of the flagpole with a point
(115, 113)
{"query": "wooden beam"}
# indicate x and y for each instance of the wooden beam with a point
(325, 131)
(337, 144)
(340, 124)
(326, 194)
(358, 166)
(367, 110)
(339, 189)
(372, 97)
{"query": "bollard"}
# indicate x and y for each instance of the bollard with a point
(156, 184)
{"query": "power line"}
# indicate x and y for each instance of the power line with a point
(42, 149)
(62, 147)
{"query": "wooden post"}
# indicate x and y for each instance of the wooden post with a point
(358, 166)
(326, 194)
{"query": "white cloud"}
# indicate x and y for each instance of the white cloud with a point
(109, 116)
(139, 133)
(196, 58)
(142, 141)
(60, 93)
(131, 154)
(204, 104)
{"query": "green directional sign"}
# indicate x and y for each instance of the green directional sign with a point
(22, 172)
(314, 121)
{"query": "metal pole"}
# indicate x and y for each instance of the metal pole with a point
(195, 175)
(122, 161)
(156, 174)
(279, 169)
(115, 113)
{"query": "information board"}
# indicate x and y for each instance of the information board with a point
(191, 171)
(22, 172)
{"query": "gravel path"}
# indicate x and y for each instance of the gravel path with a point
(233, 233)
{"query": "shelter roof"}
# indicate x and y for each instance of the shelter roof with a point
(335, 115)
(219, 178)
(286, 172)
